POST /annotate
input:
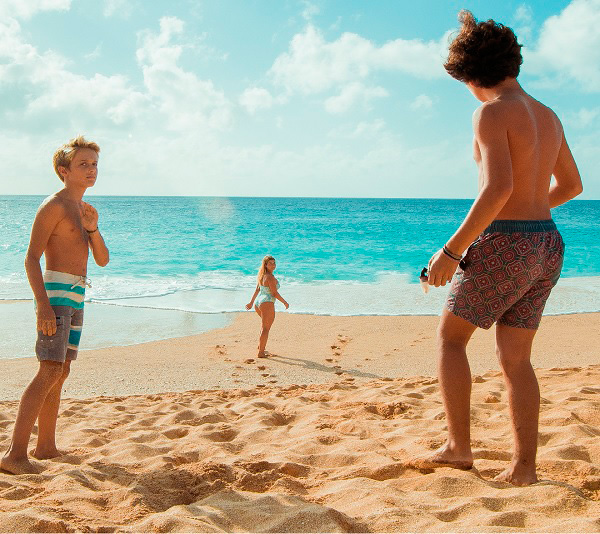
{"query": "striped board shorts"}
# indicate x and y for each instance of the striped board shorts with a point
(66, 293)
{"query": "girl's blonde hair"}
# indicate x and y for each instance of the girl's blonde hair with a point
(263, 268)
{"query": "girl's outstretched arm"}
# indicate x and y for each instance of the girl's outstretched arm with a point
(251, 303)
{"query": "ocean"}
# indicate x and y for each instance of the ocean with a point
(193, 260)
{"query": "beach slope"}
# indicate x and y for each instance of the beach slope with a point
(324, 454)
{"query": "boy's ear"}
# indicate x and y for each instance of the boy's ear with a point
(62, 170)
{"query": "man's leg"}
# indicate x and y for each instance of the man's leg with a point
(513, 346)
(15, 460)
(46, 442)
(455, 386)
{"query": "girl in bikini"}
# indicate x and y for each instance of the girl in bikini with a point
(267, 292)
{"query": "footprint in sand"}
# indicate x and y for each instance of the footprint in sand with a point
(221, 349)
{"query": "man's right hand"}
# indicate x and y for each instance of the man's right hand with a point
(46, 320)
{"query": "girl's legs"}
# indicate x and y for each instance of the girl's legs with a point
(267, 314)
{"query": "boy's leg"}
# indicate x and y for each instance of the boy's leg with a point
(513, 346)
(72, 320)
(455, 386)
(15, 460)
(46, 441)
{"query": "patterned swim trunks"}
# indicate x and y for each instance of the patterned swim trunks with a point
(507, 274)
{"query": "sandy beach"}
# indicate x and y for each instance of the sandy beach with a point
(195, 434)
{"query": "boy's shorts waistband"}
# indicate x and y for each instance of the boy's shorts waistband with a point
(509, 227)
(65, 289)
(56, 277)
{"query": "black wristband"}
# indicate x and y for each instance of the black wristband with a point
(455, 257)
(90, 232)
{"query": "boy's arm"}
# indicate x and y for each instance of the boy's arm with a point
(46, 219)
(567, 183)
(491, 133)
(89, 219)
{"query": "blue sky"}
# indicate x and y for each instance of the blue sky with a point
(340, 98)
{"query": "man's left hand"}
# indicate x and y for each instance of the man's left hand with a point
(441, 269)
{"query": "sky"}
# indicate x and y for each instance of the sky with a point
(292, 98)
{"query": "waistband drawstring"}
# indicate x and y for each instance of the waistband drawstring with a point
(83, 281)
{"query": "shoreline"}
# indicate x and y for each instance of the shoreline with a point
(109, 325)
(307, 349)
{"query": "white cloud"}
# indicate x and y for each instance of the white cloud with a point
(583, 118)
(524, 14)
(568, 48)
(100, 95)
(119, 8)
(95, 54)
(422, 103)
(21, 58)
(310, 10)
(524, 23)
(170, 97)
(364, 129)
(369, 129)
(184, 99)
(351, 94)
(50, 86)
(255, 98)
(313, 65)
(26, 9)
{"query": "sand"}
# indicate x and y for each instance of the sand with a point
(197, 435)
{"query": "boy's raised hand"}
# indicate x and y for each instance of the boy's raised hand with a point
(89, 216)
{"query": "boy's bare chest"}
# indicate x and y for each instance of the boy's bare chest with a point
(70, 228)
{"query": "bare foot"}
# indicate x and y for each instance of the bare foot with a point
(443, 458)
(19, 466)
(262, 354)
(46, 454)
(517, 476)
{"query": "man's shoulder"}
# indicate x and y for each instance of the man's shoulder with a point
(497, 109)
(492, 117)
(505, 113)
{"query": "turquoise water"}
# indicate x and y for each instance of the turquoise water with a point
(335, 256)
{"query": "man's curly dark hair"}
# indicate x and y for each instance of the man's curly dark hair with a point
(483, 53)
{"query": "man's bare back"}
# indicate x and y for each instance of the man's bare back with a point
(535, 136)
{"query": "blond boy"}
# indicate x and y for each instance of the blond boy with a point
(64, 230)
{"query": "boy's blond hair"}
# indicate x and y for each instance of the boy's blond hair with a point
(65, 154)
